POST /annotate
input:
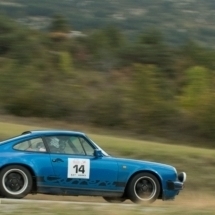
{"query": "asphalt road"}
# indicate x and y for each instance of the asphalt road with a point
(11, 205)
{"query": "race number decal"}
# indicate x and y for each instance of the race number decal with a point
(78, 168)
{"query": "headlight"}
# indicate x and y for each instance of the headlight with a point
(182, 177)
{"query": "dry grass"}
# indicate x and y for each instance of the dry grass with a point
(188, 204)
(197, 197)
(185, 198)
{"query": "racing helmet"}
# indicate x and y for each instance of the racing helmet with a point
(55, 142)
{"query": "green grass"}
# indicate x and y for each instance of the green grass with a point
(10, 129)
(197, 196)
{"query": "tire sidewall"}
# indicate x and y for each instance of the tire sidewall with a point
(25, 192)
(131, 188)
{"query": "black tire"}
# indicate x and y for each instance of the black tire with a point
(114, 199)
(143, 188)
(15, 182)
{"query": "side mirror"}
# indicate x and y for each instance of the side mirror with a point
(98, 153)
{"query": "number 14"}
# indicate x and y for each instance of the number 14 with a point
(79, 169)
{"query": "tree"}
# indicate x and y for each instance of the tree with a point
(196, 89)
(8, 36)
(149, 49)
(65, 63)
(59, 24)
(198, 99)
(149, 111)
(103, 46)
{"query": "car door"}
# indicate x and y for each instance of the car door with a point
(35, 155)
(78, 169)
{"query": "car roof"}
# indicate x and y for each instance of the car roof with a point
(52, 132)
(34, 133)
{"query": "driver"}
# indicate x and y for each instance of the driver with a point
(40, 147)
(56, 145)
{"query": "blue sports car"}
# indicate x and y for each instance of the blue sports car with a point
(70, 163)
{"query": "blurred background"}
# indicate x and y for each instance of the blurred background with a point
(144, 67)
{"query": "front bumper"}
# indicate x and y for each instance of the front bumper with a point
(173, 187)
(177, 185)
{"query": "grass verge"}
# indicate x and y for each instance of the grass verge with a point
(198, 194)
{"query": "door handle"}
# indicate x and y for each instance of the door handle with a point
(57, 160)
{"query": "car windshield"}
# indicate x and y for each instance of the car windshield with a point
(103, 152)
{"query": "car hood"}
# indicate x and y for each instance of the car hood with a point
(142, 163)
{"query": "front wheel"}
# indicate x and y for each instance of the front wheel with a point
(144, 187)
(15, 182)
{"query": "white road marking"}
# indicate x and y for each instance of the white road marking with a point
(23, 201)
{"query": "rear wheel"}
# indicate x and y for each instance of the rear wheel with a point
(144, 187)
(114, 199)
(15, 182)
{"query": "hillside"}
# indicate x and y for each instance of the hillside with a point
(177, 20)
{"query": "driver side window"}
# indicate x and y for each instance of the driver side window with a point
(69, 145)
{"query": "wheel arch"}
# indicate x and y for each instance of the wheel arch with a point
(146, 171)
(34, 187)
